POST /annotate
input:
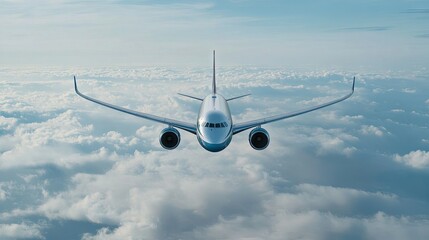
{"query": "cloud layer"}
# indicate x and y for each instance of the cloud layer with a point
(356, 170)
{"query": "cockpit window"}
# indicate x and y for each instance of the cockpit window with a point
(215, 125)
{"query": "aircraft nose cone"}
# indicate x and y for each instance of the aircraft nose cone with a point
(214, 147)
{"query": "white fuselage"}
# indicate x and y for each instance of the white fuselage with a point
(214, 124)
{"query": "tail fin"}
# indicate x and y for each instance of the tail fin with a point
(214, 73)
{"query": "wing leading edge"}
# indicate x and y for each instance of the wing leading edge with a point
(250, 124)
(171, 122)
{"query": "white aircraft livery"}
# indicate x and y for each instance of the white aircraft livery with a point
(214, 127)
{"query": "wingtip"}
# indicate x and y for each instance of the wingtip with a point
(75, 84)
(353, 86)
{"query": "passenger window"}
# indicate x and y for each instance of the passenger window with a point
(211, 125)
(207, 124)
(226, 124)
(223, 125)
(217, 125)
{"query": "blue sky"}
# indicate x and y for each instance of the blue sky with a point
(70, 169)
(299, 34)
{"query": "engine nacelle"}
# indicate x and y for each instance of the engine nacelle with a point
(259, 138)
(169, 138)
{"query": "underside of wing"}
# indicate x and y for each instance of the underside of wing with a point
(237, 128)
(171, 122)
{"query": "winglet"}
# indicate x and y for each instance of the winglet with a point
(75, 84)
(214, 73)
(353, 86)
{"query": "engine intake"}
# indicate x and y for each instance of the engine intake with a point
(259, 138)
(169, 138)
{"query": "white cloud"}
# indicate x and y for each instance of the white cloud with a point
(309, 197)
(417, 159)
(409, 90)
(157, 195)
(305, 214)
(371, 130)
(140, 188)
(7, 123)
(332, 116)
(29, 177)
(54, 142)
(63, 128)
(63, 156)
(332, 141)
(316, 101)
(20, 231)
(290, 86)
(3, 193)
(143, 191)
(318, 225)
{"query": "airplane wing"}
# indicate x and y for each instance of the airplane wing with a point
(250, 124)
(171, 122)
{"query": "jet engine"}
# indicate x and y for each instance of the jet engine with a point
(169, 138)
(259, 138)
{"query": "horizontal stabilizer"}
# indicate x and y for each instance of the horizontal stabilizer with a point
(245, 95)
(196, 98)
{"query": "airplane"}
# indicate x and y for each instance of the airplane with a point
(214, 127)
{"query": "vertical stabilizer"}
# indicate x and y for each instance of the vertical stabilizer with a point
(214, 73)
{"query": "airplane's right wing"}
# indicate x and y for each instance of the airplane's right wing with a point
(237, 128)
(171, 122)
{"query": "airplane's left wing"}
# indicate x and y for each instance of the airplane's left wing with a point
(171, 122)
(250, 124)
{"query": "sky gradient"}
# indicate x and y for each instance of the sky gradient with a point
(364, 34)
